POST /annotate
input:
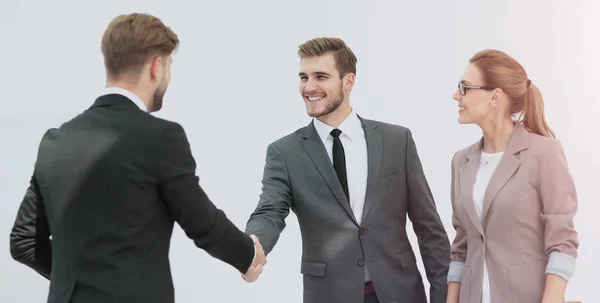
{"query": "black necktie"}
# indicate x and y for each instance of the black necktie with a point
(339, 160)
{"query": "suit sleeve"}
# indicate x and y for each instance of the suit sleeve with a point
(189, 205)
(268, 219)
(459, 245)
(30, 242)
(559, 201)
(433, 240)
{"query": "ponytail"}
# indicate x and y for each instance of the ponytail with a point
(533, 113)
(499, 70)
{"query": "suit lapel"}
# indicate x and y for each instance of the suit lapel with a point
(316, 151)
(466, 179)
(374, 141)
(507, 167)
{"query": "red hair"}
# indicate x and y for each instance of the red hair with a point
(500, 70)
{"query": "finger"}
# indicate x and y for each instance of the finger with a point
(254, 239)
(252, 270)
(251, 278)
(252, 275)
(256, 274)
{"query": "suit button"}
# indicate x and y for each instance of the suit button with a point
(361, 262)
(361, 231)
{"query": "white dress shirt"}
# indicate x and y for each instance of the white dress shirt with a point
(131, 96)
(355, 151)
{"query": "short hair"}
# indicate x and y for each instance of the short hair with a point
(130, 40)
(345, 60)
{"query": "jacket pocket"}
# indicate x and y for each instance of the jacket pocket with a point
(527, 281)
(313, 268)
(407, 259)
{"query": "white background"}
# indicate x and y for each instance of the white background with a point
(234, 90)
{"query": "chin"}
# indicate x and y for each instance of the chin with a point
(464, 120)
(315, 113)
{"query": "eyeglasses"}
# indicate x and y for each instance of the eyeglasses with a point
(462, 88)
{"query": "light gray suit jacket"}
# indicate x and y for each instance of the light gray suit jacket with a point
(298, 175)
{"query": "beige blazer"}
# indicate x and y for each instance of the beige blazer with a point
(527, 222)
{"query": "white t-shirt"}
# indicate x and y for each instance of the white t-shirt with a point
(487, 166)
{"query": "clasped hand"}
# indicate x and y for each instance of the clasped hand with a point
(257, 266)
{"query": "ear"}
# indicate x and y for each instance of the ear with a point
(497, 96)
(156, 65)
(349, 80)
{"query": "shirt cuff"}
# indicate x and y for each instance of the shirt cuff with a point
(455, 271)
(561, 264)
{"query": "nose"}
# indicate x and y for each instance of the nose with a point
(311, 85)
(456, 95)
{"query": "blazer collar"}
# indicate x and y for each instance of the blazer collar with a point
(310, 130)
(519, 141)
(115, 99)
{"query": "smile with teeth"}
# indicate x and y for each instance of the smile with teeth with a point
(314, 98)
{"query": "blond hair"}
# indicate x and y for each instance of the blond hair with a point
(345, 60)
(131, 40)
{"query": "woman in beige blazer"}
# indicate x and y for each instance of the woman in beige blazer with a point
(513, 197)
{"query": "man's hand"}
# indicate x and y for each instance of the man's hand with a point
(256, 267)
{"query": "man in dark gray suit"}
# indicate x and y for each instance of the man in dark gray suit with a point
(351, 182)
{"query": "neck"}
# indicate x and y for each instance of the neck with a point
(135, 89)
(496, 135)
(335, 118)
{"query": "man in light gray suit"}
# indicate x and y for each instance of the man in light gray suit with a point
(351, 182)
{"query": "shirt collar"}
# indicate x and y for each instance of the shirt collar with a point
(131, 96)
(350, 127)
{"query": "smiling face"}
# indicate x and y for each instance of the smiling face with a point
(321, 87)
(476, 103)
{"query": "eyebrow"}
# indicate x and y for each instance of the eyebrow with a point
(316, 73)
(466, 82)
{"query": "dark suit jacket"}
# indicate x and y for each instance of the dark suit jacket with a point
(108, 186)
(299, 176)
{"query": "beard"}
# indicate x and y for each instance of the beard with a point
(331, 104)
(157, 97)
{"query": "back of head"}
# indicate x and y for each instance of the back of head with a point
(131, 40)
(345, 60)
(499, 70)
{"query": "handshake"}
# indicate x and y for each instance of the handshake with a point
(258, 264)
